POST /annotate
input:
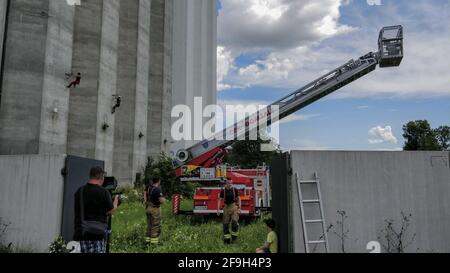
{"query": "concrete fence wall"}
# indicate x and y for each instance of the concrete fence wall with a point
(372, 187)
(31, 200)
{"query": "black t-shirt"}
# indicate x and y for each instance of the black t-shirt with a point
(230, 195)
(97, 203)
(153, 195)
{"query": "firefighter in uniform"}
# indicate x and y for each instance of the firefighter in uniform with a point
(231, 211)
(153, 199)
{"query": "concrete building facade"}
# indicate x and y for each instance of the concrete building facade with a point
(3, 9)
(127, 48)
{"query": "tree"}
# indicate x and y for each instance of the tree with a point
(443, 137)
(163, 168)
(397, 240)
(420, 136)
(248, 155)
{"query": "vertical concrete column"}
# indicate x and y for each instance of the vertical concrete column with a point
(91, 122)
(22, 83)
(86, 60)
(167, 78)
(156, 78)
(107, 88)
(126, 88)
(58, 61)
(3, 9)
(142, 87)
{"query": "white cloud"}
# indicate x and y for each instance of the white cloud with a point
(262, 24)
(422, 73)
(398, 149)
(224, 64)
(281, 27)
(297, 53)
(382, 135)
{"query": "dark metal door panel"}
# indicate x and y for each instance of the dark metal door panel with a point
(76, 174)
(280, 177)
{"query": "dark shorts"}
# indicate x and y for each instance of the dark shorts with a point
(93, 246)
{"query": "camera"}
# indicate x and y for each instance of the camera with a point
(111, 186)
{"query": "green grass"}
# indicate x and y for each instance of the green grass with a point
(180, 234)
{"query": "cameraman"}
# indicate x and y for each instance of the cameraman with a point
(97, 204)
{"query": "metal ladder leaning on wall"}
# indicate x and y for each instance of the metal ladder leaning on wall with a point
(306, 222)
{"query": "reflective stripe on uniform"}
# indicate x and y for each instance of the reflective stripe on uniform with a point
(235, 234)
(227, 236)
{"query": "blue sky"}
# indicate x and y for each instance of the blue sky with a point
(270, 53)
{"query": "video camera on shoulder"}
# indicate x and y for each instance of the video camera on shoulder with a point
(111, 185)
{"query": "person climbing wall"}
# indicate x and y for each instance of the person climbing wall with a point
(75, 82)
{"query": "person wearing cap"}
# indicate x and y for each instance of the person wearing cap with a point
(153, 199)
(93, 204)
(232, 208)
(271, 244)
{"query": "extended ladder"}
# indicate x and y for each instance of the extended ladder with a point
(306, 223)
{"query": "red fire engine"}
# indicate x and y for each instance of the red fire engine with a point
(253, 187)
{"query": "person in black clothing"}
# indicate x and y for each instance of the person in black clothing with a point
(75, 82)
(97, 204)
(231, 211)
(153, 199)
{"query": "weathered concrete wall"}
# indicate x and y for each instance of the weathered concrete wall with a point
(104, 145)
(58, 61)
(95, 57)
(126, 88)
(3, 7)
(194, 54)
(167, 77)
(132, 86)
(24, 61)
(86, 60)
(142, 87)
(158, 87)
(33, 82)
(373, 187)
(31, 199)
(120, 47)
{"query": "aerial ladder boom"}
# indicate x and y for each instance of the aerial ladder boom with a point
(209, 152)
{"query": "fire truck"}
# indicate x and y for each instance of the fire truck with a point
(203, 162)
(252, 184)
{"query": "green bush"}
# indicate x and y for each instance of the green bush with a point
(163, 168)
(131, 194)
(58, 246)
